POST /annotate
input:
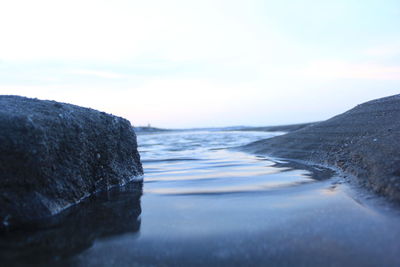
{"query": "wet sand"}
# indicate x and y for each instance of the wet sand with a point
(362, 142)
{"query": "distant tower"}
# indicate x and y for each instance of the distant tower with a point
(148, 125)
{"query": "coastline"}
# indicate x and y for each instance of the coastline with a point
(279, 128)
(362, 142)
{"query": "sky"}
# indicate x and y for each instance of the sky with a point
(208, 63)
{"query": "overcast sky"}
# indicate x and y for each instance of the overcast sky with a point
(202, 63)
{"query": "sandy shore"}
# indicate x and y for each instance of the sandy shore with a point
(364, 142)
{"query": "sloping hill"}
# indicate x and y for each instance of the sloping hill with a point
(364, 141)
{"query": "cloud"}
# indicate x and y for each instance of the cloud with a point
(100, 74)
(204, 62)
(131, 30)
(338, 69)
(383, 50)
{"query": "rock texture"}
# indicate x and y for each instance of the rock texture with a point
(364, 141)
(53, 155)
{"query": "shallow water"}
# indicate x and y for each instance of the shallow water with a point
(203, 204)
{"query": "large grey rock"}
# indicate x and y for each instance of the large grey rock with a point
(53, 155)
(364, 141)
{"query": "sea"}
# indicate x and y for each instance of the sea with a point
(204, 202)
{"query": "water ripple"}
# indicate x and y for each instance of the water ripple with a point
(206, 169)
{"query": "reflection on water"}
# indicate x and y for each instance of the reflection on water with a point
(107, 214)
(208, 169)
(203, 205)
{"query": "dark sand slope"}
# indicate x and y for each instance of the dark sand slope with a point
(364, 142)
(53, 155)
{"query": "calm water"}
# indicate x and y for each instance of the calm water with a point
(201, 204)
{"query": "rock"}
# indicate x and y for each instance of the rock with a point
(53, 155)
(364, 142)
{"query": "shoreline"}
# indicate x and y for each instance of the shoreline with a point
(362, 142)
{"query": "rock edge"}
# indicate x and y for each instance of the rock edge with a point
(53, 155)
